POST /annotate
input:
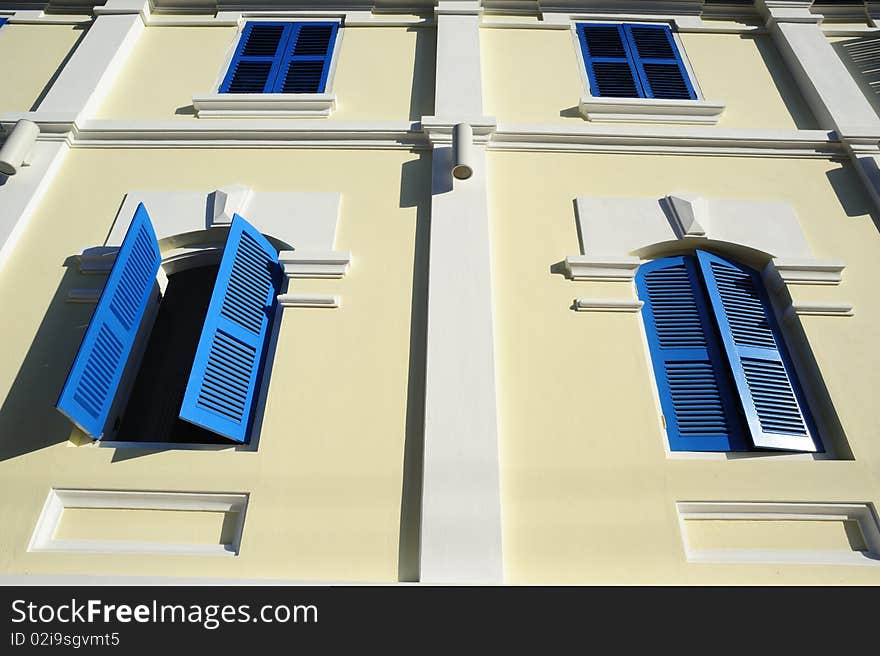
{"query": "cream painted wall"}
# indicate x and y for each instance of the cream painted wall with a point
(325, 483)
(744, 71)
(375, 74)
(588, 490)
(38, 51)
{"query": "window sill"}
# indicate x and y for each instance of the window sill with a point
(264, 105)
(650, 110)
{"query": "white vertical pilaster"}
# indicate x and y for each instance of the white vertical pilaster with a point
(94, 65)
(827, 85)
(459, 85)
(461, 496)
(20, 194)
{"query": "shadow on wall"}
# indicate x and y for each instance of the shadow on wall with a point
(83, 31)
(794, 102)
(421, 98)
(28, 418)
(415, 179)
(850, 190)
(861, 55)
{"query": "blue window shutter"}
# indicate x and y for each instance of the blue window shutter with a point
(659, 64)
(257, 58)
(94, 378)
(775, 411)
(306, 62)
(222, 385)
(2, 21)
(608, 61)
(694, 388)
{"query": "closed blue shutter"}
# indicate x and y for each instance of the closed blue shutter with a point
(257, 58)
(658, 62)
(608, 61)
(222, 385)
(774, 407)
(281, 58)
(93, 380)
(695, 392)
(306, 62)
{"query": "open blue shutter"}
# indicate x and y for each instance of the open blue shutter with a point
(222, 385)
(659, 64)
(306, 61)
(774, 407)
(93, 380)
(695, 392)
(257, 58)
(2, 21)
(608, 61)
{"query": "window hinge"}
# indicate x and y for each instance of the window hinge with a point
(663, 420)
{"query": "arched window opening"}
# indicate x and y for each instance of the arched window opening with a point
(724, 375)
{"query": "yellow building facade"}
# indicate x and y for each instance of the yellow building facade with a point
(490, 228)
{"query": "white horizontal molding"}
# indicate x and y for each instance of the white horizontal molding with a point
(98, 260)
(650, 110)
(439, 129)
(562, 21)
(806, 271)
(594, 267)
(607, 305)
(309, 300)
(39, 17)
(860, 513)
(315, 264)
(87, 296)
(264, 105)
(43, 538)
(686, 139)
(822, 309)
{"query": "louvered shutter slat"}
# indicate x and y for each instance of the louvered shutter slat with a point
(608, 61)
(221, 390)
(306, 63)
(255, 63)
(694, 391)
(93, 381)
(774, 408)
(658, 62)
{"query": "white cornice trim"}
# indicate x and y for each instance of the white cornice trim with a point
(37, 17)
(264, 105)
(85, 296)
(809, 272)
(650, 110)
(607, 305)
(666, 139)
(820, 308)
(608, 268)
(309, 300)
(407, 135)
(311, 264)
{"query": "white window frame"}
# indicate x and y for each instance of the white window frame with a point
(644, 110)
(271, 105)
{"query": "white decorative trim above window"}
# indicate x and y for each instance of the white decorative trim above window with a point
(611, 268)
(805, 271)
(309, 300)
(43, 538)
(650, 110)
(607, 305)
(264, 105)
(312, 264)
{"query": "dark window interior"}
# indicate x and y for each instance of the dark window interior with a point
(157, 394)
